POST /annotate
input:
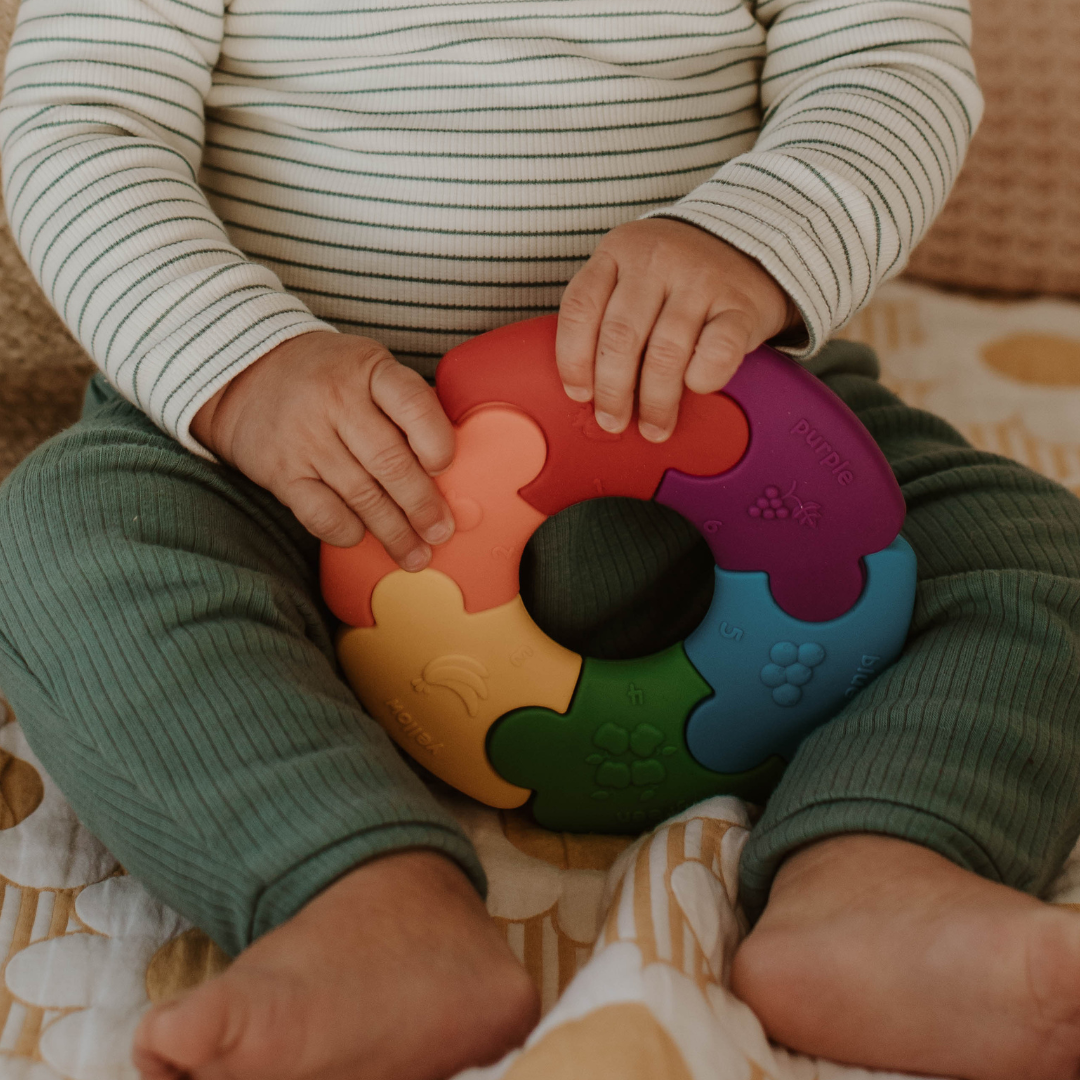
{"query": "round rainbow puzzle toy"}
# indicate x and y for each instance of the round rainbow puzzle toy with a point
(813, 594)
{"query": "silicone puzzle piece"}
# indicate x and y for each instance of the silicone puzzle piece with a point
(497, 450)
(515, 365)
(776, 678)
(437, 677)
(617, 760)
(812, 495)
(799, 508)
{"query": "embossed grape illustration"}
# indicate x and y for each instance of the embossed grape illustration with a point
(791, 669)
(644, 770)
(772, 506)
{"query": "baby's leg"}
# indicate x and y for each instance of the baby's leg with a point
(907, 831)
(162, 642)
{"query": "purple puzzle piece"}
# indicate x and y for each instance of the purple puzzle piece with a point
(810, 497)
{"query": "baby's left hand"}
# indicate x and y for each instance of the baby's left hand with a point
(669, 299)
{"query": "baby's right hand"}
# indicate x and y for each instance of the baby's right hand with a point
(345, 436)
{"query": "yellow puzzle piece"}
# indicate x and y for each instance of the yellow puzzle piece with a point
(437, 677)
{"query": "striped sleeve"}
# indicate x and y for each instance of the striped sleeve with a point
(869, 106)
(101, 138)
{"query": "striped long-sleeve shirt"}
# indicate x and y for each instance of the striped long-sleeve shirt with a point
(195, 181)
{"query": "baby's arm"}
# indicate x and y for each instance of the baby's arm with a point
(675, 298)
(102, 131)
(868, 111)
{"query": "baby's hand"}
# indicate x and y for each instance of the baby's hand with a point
(691, 303)
(343, 435)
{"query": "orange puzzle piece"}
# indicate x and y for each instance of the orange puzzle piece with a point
(498, 450)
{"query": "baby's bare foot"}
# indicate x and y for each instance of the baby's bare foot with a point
(881, 953)
(395, 971)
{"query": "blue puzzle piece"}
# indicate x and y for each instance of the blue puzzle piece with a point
(775, 677)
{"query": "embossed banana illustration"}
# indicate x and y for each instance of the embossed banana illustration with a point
(464, 675)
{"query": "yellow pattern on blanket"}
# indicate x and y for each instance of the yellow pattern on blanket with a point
(1005, 373)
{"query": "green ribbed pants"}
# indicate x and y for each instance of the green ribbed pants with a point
(164, 645)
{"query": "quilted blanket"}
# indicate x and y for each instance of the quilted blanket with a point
(629, 942)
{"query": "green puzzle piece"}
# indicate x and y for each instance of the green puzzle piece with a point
(616, 761)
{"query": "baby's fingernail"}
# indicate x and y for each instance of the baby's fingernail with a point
(607, 421)
(578, 393)
(437, 534)
(653, 433)
(418, 558)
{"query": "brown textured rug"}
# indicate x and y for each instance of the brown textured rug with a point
(1012, 223)
(42, 368)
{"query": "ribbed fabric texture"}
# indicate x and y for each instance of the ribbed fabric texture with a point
(162, 642)
(970, 743)
(193, 182)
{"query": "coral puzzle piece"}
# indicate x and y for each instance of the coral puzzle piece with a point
(498, 449)
(812, 495)
(777, 678)
(617, 760)
(437, 677)
(514, 364)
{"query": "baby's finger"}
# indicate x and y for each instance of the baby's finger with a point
(580, 313)
(667, 355)
(413, 405)
(721, 346)
(322, 512)
(627, 323)
(379, 446)
(380, 513)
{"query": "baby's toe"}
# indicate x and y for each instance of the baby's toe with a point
(239, 1026)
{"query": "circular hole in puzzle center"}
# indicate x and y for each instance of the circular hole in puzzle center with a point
(617, 578)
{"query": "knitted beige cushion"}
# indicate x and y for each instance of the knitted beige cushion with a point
(1012, 222)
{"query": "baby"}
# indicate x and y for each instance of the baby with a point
(266, 221)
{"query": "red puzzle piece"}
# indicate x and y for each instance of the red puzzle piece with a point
(516, 365)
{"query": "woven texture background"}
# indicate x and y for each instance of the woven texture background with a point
(1013, 220)
(42, 368)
